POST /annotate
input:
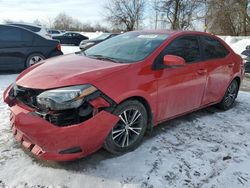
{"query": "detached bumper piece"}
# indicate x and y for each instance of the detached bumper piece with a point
(49, 141)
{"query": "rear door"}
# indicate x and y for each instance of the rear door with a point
(181, 89)
(14, 46)
(219, 64)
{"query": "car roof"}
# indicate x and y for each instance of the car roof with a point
(23, 23)
(22, 28)
(16, 26)
(172, 32)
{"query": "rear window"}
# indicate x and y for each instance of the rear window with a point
(213, 48)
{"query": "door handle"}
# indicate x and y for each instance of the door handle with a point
(230, 65)
(202, 71)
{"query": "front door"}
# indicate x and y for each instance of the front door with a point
(181, 89)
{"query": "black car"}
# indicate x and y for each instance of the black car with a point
(70, 38)
(85, 44)
(246, 53)
(21, 48)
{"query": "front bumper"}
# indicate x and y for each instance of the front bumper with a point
(50, 142)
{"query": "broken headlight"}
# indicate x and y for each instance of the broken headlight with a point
(64, 98)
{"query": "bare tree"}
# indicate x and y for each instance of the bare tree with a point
(228, 17)
(63, 21)
(155, 6)
(37, 22)
(125, 14)
(179, 14)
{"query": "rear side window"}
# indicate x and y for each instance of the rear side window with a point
(213, 48)
(76, 35)
(186, 47)
(10, 34)
(68, 35)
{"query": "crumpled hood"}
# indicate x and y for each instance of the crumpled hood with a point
(66, 70)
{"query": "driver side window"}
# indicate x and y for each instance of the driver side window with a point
(186, 47)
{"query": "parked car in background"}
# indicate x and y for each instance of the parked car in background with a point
(246, 54)
(110, 94)
(70, 38)
(54, 32)
(20, 48)
(35, 28)
(85, 44)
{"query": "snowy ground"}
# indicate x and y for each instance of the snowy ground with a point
(208, 148)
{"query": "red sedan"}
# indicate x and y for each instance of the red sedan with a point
(68, 107)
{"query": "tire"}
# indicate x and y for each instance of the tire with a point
(230, 96)
(125, 137)
(33, 59)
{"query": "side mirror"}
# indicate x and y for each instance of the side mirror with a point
(173, 61)
(248, 47)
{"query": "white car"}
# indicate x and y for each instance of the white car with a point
(35, 28)
(54, 32)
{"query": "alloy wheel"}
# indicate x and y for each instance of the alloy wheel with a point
(231, 94)
(35, 59)
(128, 129)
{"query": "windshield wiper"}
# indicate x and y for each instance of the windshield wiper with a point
(101, 57)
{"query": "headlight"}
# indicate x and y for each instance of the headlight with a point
(64, 98)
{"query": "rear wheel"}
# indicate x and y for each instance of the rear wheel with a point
(230, 96)
(128, 133)
(33, 59)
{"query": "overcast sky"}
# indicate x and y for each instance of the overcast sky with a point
(29, 10)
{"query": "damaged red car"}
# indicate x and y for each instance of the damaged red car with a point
(108, 96)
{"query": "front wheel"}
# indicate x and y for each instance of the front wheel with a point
(230, 96)
(128, 133)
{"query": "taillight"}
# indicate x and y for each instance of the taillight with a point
(58, 47)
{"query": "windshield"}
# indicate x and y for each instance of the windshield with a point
(102, 36)
(127, 48)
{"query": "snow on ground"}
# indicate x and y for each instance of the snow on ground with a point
(69, 49)
(208, 148)
(92, 35)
